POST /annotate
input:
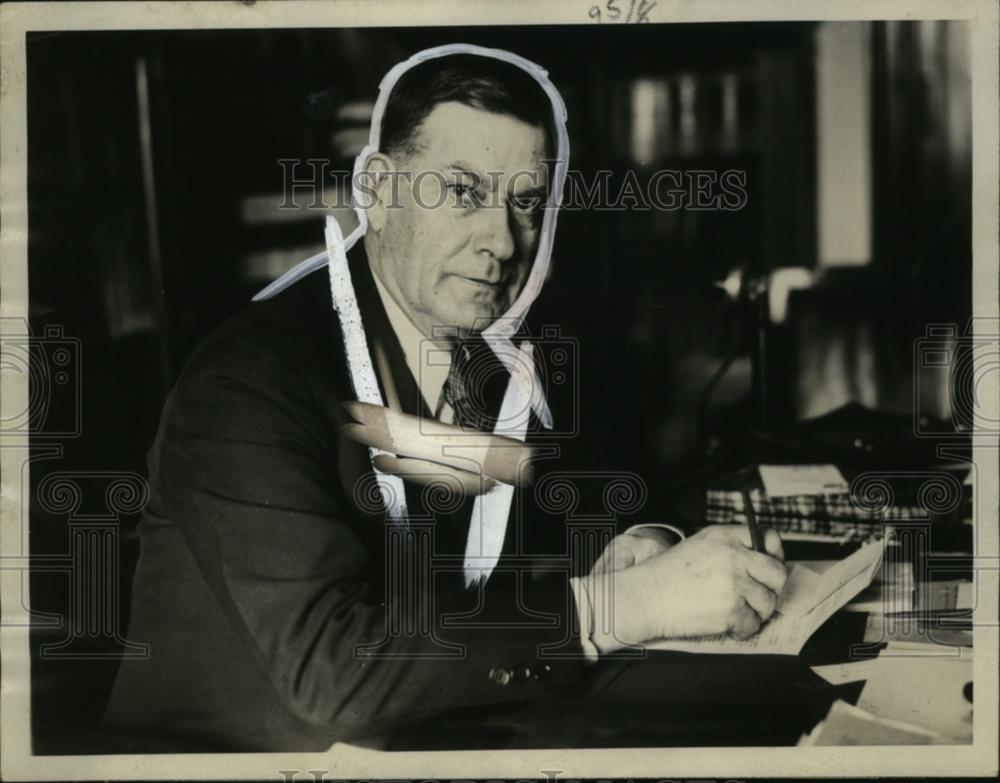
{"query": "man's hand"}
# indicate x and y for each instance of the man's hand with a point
(633, 546)
(712, 583)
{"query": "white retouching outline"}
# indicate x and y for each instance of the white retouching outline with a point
(524, 390)
(511, 321)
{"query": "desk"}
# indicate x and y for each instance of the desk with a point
(924, 689)
(674, 699)
(913, 668)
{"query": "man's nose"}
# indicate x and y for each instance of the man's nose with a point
(495, 235)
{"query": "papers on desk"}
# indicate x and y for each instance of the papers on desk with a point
(849, 725)
(890, 592)
(922, 690)
(965, 596)
(918, 631)
(808, 600)
(784, 481)
(947, 595)
(802, 499)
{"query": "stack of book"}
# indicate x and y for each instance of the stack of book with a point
(828, 511)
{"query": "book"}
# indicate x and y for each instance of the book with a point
(816, 500)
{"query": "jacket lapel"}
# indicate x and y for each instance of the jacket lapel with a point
(451, 529)
(380, 333)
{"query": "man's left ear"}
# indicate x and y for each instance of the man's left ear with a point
(376, 188)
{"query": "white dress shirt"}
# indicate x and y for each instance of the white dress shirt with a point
(428, 362)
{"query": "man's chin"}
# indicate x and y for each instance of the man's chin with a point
(475, 318)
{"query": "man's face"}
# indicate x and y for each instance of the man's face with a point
(461, 229)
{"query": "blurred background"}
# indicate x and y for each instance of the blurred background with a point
(155, 178)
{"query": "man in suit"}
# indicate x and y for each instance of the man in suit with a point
(283, 609)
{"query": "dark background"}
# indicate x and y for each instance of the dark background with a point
(141, 244)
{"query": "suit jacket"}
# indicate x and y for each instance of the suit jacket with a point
(282, 611)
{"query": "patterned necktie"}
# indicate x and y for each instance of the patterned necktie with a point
(464, 389)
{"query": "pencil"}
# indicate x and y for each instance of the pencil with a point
(756, 536)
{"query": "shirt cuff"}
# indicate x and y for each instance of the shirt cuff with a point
(585, 615)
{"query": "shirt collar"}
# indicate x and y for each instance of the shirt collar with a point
(428, 363)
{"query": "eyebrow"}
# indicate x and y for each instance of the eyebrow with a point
(464, 167)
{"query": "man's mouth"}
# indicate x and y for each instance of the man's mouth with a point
(482, 281)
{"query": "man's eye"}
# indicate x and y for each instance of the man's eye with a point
(465, 194)
(530, 205)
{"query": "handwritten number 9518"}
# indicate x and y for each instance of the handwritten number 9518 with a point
(615, 10)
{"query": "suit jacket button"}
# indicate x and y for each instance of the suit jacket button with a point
(499, 675)
(522, 672)
(542, 671)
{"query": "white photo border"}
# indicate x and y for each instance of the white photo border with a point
(342, 761)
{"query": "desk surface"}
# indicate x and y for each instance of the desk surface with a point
(671, 699)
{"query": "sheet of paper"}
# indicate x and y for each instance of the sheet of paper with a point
(849, 725)
(841, 583)
(915, 632)
(780, 635)
(924, 691)
(841, 673)
(890, 592)
(893, 654)
(822, 538)
(966, 598)
(808, 600)
(790, 480)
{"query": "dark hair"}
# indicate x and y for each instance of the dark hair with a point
(480, 82)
